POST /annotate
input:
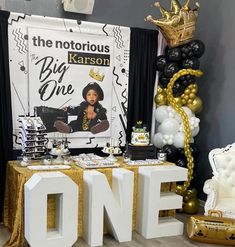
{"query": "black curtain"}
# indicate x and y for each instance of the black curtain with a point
(143, 52)
(6, 144)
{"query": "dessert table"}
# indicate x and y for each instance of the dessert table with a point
(17, 176)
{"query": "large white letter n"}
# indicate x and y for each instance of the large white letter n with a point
(116, 202)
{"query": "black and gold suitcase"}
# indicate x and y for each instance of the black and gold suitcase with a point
(211, 229)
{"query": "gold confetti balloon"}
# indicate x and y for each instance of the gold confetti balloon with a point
(183, 101)
(187, 91)
(191, 206)
(159, 90)
(192, 96)
(186, 198)
(178, 101)
(160, 99)
(180, 190)
(196, 105)
(194, 88)
(191, 193)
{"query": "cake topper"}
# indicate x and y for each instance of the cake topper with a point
(139, 127)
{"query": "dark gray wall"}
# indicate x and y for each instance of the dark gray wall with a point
(215, 27)
(119, 12)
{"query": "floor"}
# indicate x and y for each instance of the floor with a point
(137, 240)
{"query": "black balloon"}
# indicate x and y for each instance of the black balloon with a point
(187, 80)
(198, 48)
(182, 162)
(178, 89)
(192, 80)
(166, 49)
(194, 181)
(191, 63)
(186, 51)
(181, 151)
(184, 55)
(174, 55)
(195, 167)
(171, 151)
(194, 150)
(160, 62)
(183, 78)
(163, 81)
(170, 69)
(188, 77)
(185, 83)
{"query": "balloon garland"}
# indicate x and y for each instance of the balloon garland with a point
(176, 93)
(177, 107)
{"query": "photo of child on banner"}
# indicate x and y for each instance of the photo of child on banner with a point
(91, 115)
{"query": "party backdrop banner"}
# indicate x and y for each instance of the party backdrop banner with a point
(73, 75)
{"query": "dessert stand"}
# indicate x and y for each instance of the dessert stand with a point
(59, 153)
(111, 155)
(59, 150)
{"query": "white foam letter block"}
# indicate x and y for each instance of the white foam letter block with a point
(151, 201)
(117, 203)
(36, 190)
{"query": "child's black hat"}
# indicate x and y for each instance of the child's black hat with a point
(94, 86)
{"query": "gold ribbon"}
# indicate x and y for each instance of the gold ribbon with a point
(172, 102)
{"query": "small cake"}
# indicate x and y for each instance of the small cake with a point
(117, 150)
(139, 135)
(112, 150)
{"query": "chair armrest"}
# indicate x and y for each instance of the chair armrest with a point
(210, 186)
(211, 189)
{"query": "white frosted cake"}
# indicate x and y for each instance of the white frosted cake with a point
(139, 135)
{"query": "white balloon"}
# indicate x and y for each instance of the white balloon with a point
(169, 126)
(178, 117)
(159, 129)
(179, 140)
(170, 141)
(170, 109)
(166, 137)
(195, 131)
(188, 112)
(161, 113)
(181, 128)
(158, 140)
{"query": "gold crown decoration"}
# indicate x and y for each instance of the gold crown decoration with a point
(95, 74)
(178, 24)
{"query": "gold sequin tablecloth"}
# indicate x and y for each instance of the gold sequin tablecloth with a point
(17, 176)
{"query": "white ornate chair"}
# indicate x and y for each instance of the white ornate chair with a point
(220, 189)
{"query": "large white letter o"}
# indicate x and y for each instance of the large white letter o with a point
(36, 190)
